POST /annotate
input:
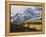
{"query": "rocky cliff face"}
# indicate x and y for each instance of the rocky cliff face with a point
(28, 15)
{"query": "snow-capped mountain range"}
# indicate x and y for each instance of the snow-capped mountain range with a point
(27, 15)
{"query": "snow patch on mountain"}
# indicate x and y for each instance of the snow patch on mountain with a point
(27, 15)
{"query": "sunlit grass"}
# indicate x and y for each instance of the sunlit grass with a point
(35, 25)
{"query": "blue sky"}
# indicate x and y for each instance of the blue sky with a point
(20, 9)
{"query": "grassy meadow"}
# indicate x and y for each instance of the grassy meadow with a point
(35, 25)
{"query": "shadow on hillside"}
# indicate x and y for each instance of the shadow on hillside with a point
(20, 28)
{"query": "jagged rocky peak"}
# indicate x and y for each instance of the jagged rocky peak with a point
(28, 14)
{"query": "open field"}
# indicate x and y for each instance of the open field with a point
(35, 25)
